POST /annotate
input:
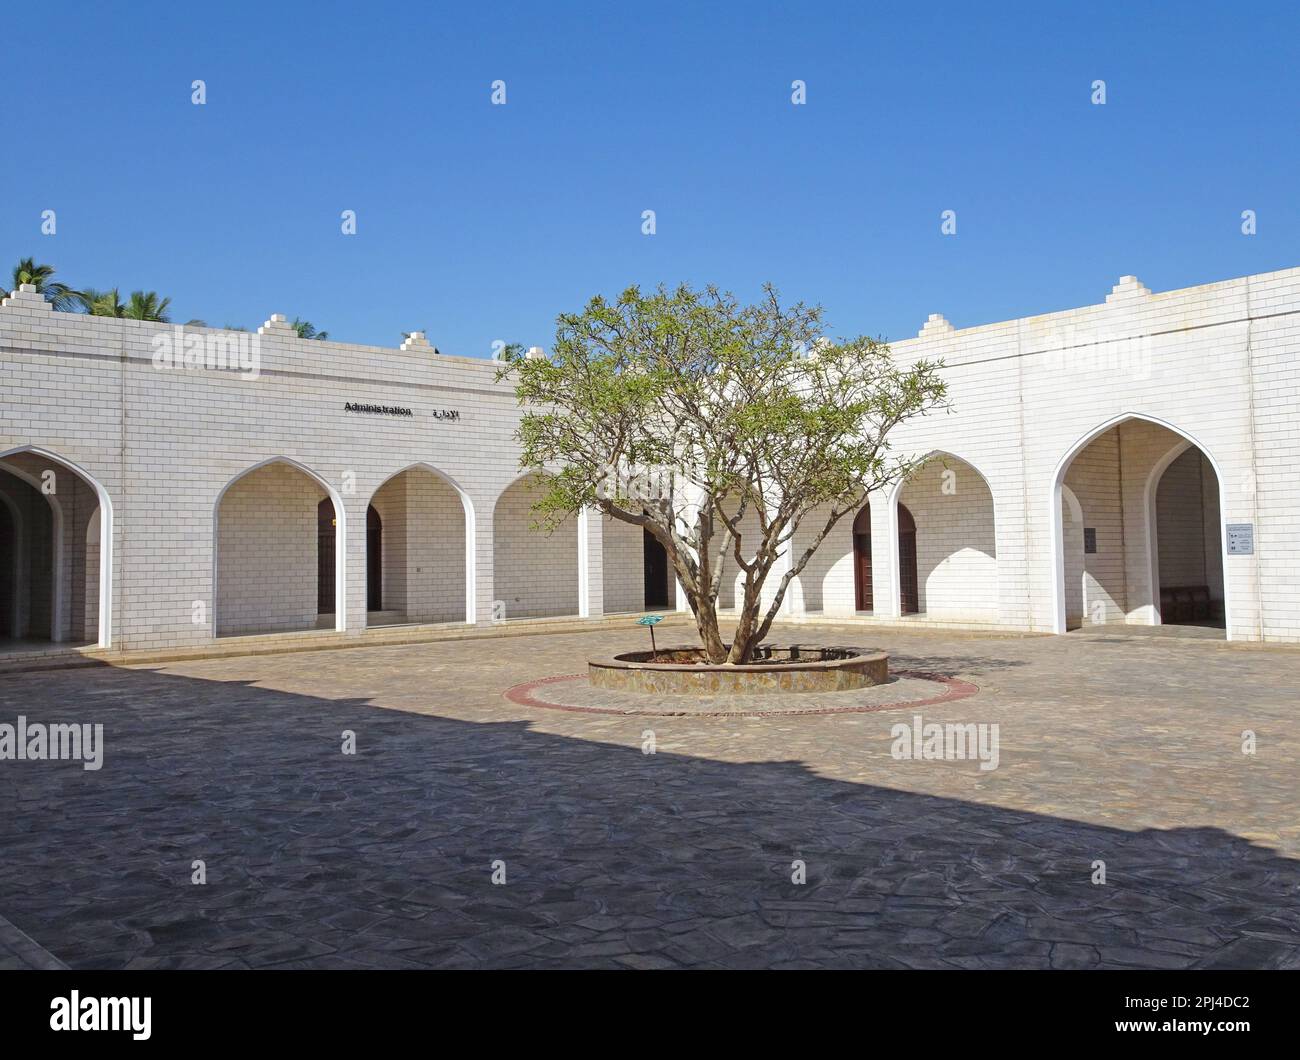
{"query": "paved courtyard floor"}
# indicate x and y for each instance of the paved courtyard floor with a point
(1114, 749)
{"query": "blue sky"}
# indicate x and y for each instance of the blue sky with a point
(479, 222)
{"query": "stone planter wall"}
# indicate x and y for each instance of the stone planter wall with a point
(783, 669)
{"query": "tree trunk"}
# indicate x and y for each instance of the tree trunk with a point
(742, 645)
(702, 606)
(706, 621)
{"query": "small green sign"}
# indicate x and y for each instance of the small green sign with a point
(649, 620)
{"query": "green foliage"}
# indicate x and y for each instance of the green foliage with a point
(147, 305)
(307, 330)
(723, 409)
(58, 294)
(103, 303)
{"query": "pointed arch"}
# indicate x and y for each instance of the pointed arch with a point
(105, 624)
(340, 538)
(897, 530)
(467, 508)
(1057, 530)
(549, 580)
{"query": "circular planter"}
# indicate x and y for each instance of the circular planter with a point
(797, 668)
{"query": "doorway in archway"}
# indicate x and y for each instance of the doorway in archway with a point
(325, 557)
(864, 599)
(374, 560)
(50, 568)
(1189, 559)
(325, 566)
(655, 564)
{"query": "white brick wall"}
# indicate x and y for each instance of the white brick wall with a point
(826, 585)
(267, 556)
(956, 547)
(623, 563)
(1094, 478)
(423, 547)
(1181, 506)
(537, 572)
(1215, 364)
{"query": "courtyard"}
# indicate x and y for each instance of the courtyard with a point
(471, 831)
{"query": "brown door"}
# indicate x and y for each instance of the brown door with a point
(656, 570)
(374, 560)
(908, 588)
(325, 557)
(862, 559)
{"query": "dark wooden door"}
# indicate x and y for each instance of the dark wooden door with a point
(656, 570)
(325, 557)
(909, 592)
(862, 560)
(374, 560)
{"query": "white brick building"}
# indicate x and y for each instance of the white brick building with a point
(1089, 471)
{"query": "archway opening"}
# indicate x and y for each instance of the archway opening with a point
(51, 578)
(947, 543)
(1139, 531)
(1188, 546)
(416, 529)
(654, 561)
(535, 570)
(374, 561)
(278, 542)
(635, 572)
(326, 559)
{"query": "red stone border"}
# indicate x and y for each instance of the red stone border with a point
(957, 689)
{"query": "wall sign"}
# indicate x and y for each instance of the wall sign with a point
(1241, 539)
(377, 410)
(397, 410)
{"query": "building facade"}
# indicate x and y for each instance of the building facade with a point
(1135, 461)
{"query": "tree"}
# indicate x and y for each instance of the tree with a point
(103, 303)
(147, 305)
(684, 411)
(59, 295)
(307, 330)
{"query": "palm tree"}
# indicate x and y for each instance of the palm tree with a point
(59, 295)
(103, 303)
(146, 305)
(307, 330)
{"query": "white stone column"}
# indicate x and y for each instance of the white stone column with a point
(591, 581)
(884, 554)
(481, 534)
(350, 550)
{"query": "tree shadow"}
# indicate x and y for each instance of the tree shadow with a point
(611, 857)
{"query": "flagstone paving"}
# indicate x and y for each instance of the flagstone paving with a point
(1115, 749)
(575, 692)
